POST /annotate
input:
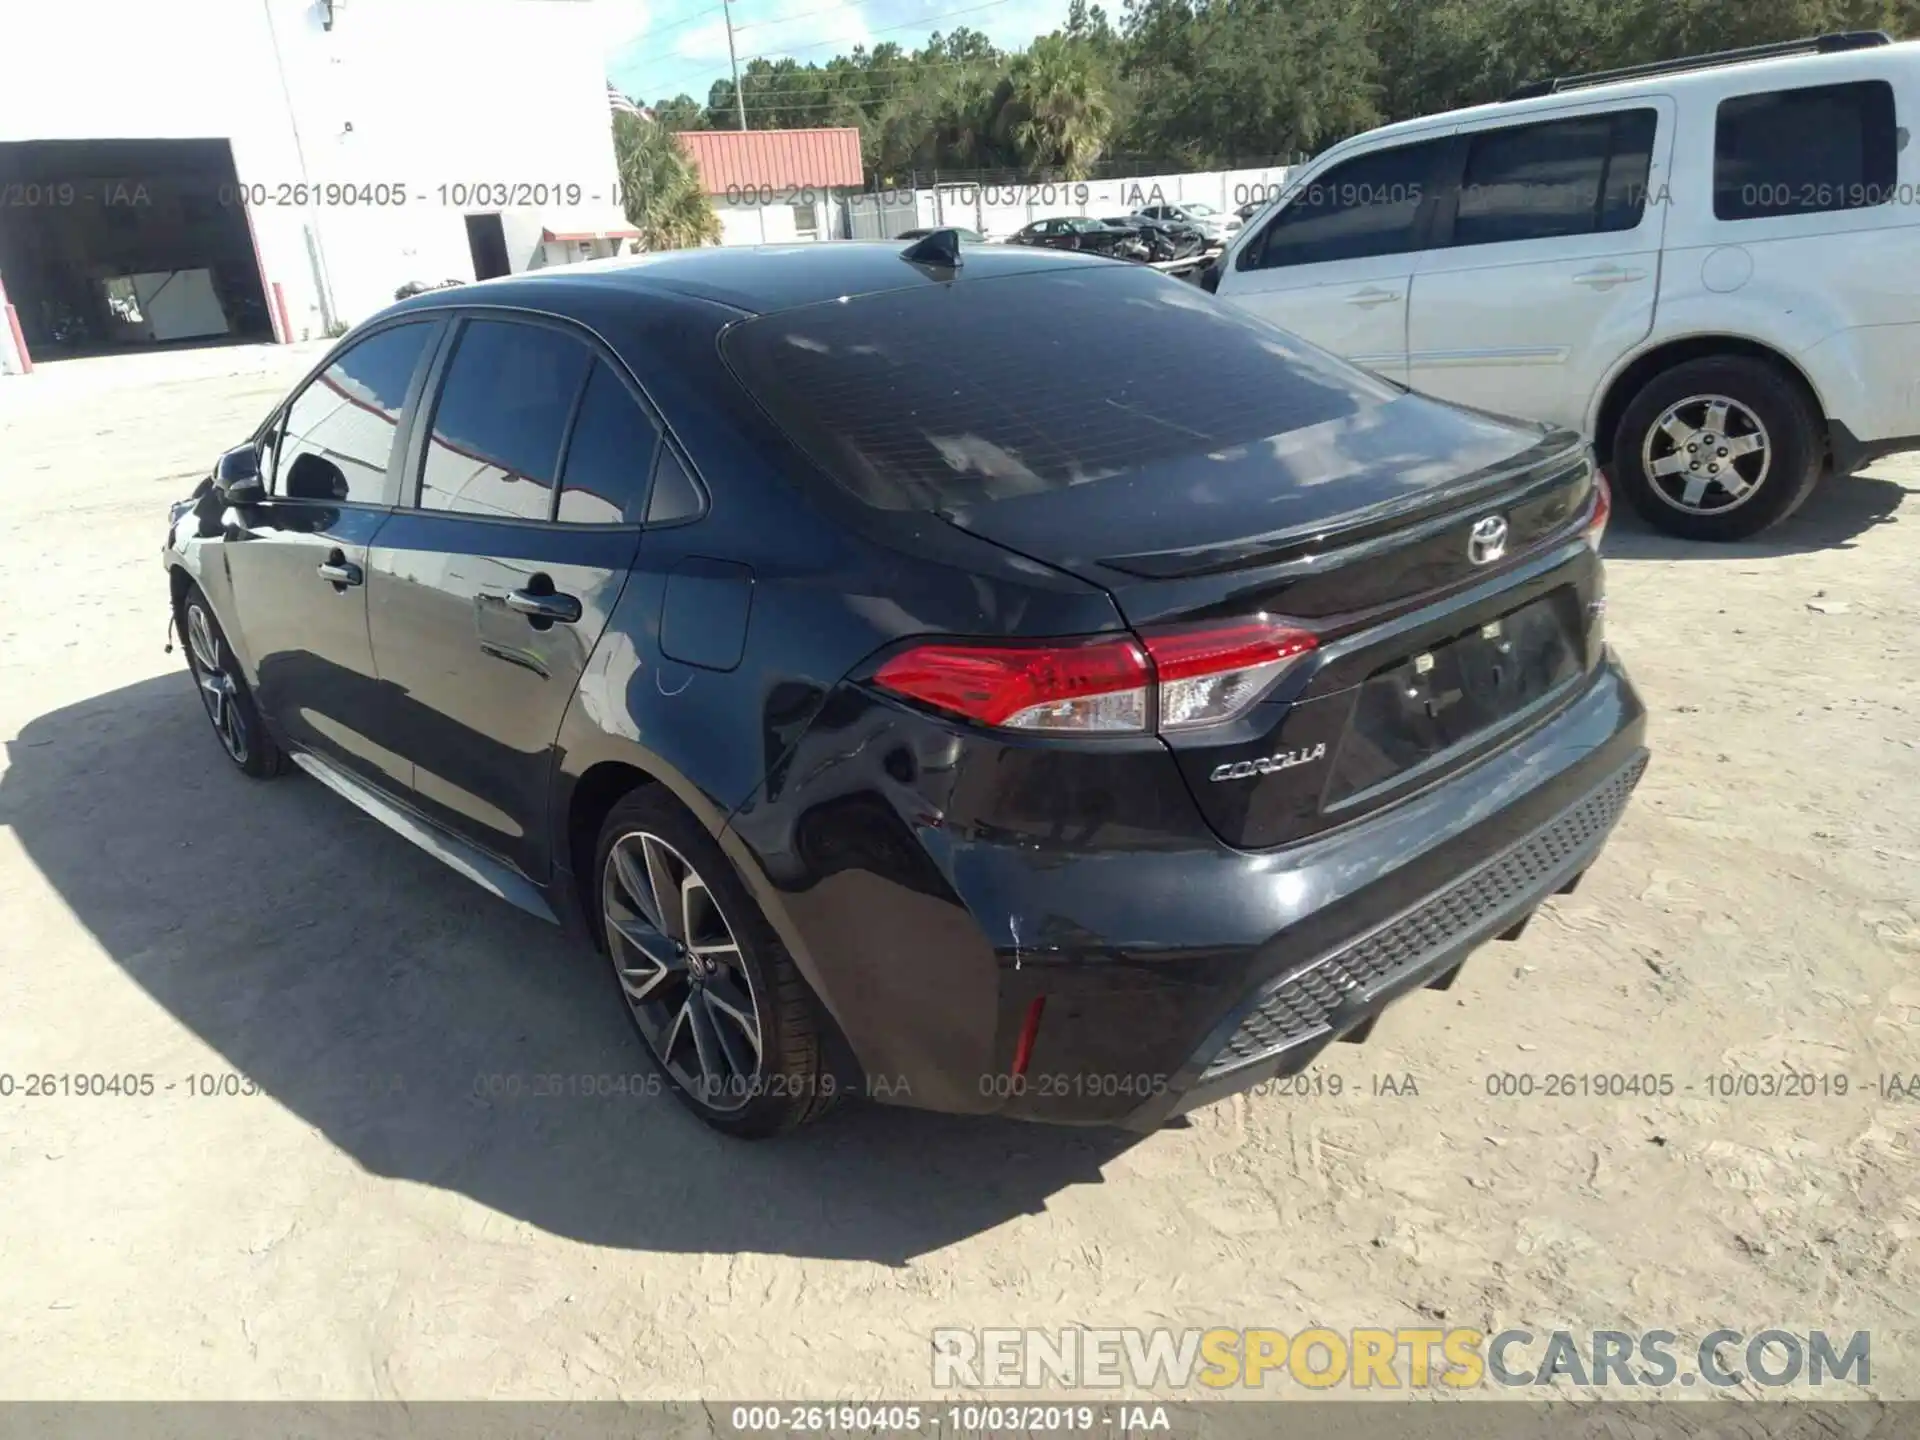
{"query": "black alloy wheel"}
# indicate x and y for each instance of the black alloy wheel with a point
(680, 966)
(714, 995)
(223, 691)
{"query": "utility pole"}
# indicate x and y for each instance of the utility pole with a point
(316, 250)
(739, 100)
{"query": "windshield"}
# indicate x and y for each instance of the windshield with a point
(936, 397)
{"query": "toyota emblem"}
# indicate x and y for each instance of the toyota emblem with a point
(1487, 541)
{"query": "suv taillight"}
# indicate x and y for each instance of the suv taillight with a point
(1172, 678)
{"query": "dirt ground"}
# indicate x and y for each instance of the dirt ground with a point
(366, 1226)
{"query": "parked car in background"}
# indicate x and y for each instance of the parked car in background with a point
(900, 710)
(1706, 265)
(971, 237)
(1079, 232)
(1209, 221)
(1164, 239)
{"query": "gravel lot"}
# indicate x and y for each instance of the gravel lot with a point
(365, 1227)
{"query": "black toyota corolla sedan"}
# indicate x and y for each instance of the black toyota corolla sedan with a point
(909, 690)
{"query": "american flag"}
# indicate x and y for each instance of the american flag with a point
(622, 105)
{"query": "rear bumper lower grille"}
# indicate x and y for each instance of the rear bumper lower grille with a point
(1481, 902)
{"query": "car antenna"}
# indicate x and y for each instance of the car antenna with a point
(939, 249)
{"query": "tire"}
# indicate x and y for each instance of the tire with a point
(1821, 473)
(1681, 406)
(229, 704)
(724, 961)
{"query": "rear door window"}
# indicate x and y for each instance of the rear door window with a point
(675, 496)
(944, 396)
(1800, 152)
(608, 457)
(1558, 178)
(503, 411)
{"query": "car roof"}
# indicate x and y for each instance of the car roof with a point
(752, 279)
(1736, 77)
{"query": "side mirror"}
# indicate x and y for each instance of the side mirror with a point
(237, 477)
(314, 477)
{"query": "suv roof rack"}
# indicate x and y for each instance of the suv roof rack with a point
(1812, 45)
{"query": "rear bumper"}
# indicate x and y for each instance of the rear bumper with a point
(1281, 1027)
(930, 940)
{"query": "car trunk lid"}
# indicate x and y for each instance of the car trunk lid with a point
(1452, 603)
(1339, 517)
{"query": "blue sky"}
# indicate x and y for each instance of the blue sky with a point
(657, 48)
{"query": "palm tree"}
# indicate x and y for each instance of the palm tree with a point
(661, 188)
(1056, 114)
(941, 122)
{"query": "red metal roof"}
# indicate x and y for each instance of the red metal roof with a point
(734, 159)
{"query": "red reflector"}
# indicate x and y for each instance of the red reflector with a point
(1602, 510)
(1210, 649)
(993, 683)
(1029, 1032)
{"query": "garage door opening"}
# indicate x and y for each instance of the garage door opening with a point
(109, 245)
(487, 242)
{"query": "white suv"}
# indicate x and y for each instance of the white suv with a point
(1710, 266)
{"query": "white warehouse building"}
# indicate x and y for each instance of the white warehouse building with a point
(197, 170)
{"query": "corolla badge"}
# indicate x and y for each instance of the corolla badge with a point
(1487, 541)
(1268, 764)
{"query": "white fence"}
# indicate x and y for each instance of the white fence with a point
(996, 211)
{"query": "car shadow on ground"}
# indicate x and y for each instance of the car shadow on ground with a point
(1833, 517)
(435, 1034)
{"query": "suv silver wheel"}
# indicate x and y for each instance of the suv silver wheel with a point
(681, 970)
(1706, 455)
(217, 687)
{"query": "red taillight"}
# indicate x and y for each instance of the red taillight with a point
(1602, 511)
(1177, 678)
(1098, 685)
(1210, 673)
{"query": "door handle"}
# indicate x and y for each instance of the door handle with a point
(1607, 276)
(337, 570)
(537, 605)
(1372, 296)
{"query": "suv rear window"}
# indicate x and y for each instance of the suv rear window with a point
(938, 396)
(1800, 152)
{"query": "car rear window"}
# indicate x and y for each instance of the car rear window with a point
(941, 396)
